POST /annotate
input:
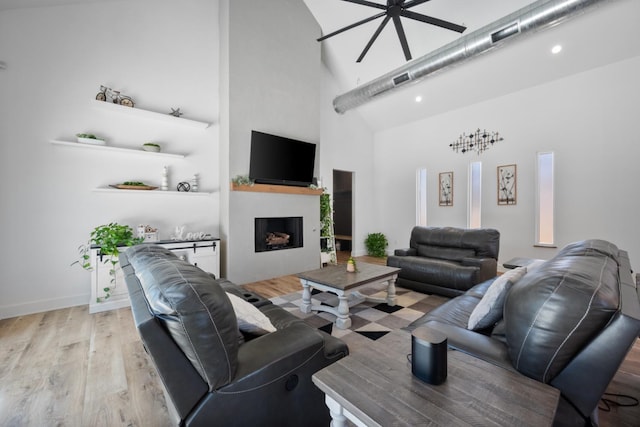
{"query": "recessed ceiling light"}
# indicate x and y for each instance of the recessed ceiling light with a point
(419, 98)
(556, 49)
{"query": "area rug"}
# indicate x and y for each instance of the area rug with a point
(369, 321)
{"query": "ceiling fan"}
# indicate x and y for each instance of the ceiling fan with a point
(394, 9)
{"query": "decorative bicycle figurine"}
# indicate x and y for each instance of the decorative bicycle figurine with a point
(114, 95)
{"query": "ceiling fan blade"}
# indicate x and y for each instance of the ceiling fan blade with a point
(373, 38)
(414, 3)
(402, 37)
(348, 27)
(368, 3)
(433, 21)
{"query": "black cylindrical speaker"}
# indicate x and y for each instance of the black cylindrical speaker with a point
(429, 355)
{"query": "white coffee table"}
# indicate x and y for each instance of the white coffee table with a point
(345, 285)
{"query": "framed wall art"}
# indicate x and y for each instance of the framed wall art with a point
(507, 185)
(445, 189)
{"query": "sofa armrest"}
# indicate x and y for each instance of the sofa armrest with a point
(405, 252)
(488, 267)
(477, 345)
(279, 354)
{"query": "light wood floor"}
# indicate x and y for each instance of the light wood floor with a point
(71, 368)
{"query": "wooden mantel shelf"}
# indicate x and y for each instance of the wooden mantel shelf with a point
(268, 188)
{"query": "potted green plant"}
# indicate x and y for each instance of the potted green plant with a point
(151, 146)
(376, 244)
(326, 229)
(242, 180)
(109, 237)
(326, 219)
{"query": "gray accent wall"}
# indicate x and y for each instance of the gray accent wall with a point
(271, 64)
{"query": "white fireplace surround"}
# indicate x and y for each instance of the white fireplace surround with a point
(244, 265)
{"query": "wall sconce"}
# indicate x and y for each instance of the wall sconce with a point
(3, 66)
(477, 141)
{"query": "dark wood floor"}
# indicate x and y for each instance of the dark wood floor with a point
(71, 368)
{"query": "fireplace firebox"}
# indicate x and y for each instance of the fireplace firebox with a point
(274, 234)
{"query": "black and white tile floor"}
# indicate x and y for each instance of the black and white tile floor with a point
(368, 320)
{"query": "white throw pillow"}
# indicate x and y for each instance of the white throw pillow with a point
(489, 309)
(250, 319)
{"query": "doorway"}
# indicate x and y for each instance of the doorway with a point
(343, 212)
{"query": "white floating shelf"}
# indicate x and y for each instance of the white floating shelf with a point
(150, 192)
(117, 149)
(147, 114)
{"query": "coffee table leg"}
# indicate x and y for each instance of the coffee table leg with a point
(306, 297)
(391, 292)
(343, 321)
(337, 417)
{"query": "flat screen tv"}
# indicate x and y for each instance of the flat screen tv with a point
(279, 160)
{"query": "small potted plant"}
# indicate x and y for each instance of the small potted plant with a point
(89, 138)
(242, 180)
(376, 244)
(351, 265)
(151, 146)
(109, 237)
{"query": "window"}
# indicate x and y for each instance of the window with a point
(475, 195)
(421, 197)
(544, 200)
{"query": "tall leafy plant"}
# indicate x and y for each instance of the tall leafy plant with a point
(110, 238)
(326, 217)
(326, 226)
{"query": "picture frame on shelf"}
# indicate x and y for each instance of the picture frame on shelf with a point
(507, 177)
(445, 189)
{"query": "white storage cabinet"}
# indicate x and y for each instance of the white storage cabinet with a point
(201, 253)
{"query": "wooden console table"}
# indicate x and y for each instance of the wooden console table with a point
(375, 387)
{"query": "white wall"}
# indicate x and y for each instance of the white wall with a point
(347, 145)
(273, 72)
(589, 120)
(163, 54)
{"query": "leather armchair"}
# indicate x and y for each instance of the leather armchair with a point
(447, 261)
(212, 374)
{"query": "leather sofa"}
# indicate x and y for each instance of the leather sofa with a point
(447, 261)
(214, 374)
(568, 323)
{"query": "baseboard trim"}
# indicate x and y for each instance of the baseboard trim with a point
(14, 310)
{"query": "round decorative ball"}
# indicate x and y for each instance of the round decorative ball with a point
(184, 186)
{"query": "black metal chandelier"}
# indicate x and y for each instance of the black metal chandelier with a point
(478, 141)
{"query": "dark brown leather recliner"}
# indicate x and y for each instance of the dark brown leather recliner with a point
(446, 260)
(212, 374)
(569, 323)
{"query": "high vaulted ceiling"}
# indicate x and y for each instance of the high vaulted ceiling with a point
(604, 33)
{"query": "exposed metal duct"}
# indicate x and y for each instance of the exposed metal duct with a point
(536, 16)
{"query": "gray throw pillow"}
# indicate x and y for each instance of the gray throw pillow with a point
(489, 309)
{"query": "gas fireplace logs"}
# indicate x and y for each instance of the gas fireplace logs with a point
(277, 238)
